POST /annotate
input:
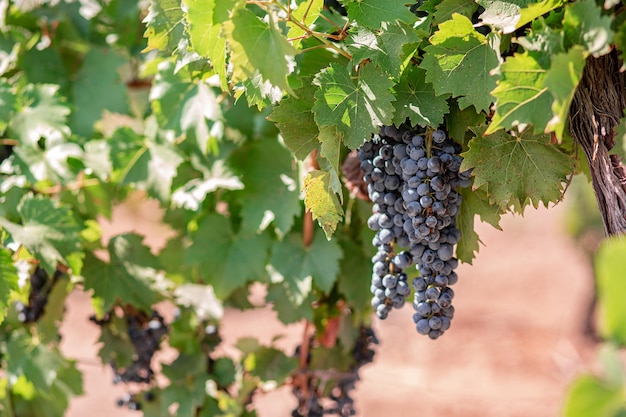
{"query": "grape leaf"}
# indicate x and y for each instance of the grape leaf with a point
(417, 101)
(8, 281)
(291, 306)
(331, 151)
(306, 13)
(164, 25)
(257, 45)
(609, 267)
(7, 104)
(296, 262)
(589, 395)
(50, 233)
(270, 186)
(227, 260)
(321, 199)
(459, 61)
(584, 24)
(294, 119)
(390, 48)
(357, 109)
(270, 364)
(39, 363)
(97, 87)
(475, 202)
(459, 121)
(128, 276)
(204, 20)
(562, 79)
(522, 97)
(372, 13)
(41, 114)
(116, 346)
(509, 15)
(517, 168)
(354, 278)
(153, 168)
(447, 8)
(185, 106)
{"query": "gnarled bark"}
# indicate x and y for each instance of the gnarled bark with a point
(596, 110)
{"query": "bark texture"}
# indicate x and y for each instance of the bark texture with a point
(596, 110)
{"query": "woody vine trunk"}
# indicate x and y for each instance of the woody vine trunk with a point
(596, 110)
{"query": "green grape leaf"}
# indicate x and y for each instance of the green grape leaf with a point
(7, 104)
(475, 202)
(391, 48)
(183, 105)
(204, 20)
(128, 276)
(459, 61)
(562, 79)
(227, 260)
(8, 281)
(257, 45)
(164, 25)
(51, 163)
(331, 150)
(188, 383)
(306, 13)
(459, 121)
(522, 97)
(39, 363)
(42, 113)
(357, 107)
(590, 396)
(354, 277)
(297, 263)
(293, 304)
(270, 185)
(609, 268)
(97, 87)
(322, 200)
(50, 233)
(417, 101)
(447, 8)
(153, 168)
(294, 119)
(584, 24)
(517, 168)
(372, 13)
(116, 346)
(270, 364)
(509, 15)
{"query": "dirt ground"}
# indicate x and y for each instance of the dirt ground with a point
(515, 344)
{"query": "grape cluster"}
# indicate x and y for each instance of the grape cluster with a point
(145, 334)
(412, 177)
(40, 287)
(320, 398)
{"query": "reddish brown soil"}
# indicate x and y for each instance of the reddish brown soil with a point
(515, 344)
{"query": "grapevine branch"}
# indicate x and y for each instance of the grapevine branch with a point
(595, 112)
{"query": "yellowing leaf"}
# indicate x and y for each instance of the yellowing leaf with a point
(322, 201)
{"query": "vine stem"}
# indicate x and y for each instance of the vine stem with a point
(10, 412)
(322, 37)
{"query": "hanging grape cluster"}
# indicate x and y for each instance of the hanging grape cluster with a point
(412, 177)
(40, 288)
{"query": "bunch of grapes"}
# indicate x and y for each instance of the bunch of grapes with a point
(412, 177)
(145, 333)
(40, 287)
(319, 398)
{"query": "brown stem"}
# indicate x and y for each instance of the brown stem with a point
(596, 110)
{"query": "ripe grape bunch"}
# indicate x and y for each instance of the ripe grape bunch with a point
(412, 177)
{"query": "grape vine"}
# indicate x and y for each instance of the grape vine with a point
(245, 125)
